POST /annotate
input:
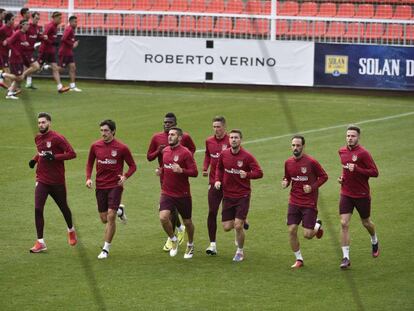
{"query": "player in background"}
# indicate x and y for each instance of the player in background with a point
(34, 37)
(357, 167)
(47, 49)
(155, 150)
(52, 150)
(67, 44)
(178, 165)
(110, 155)
(6, 30)
(214, 146)
(2, 15)
(306, 176)
(235, 168)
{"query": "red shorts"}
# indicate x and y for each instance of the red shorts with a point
(4, 61)
(65, 60)
(183, 205)
(347, 205)
(235, 208)
(108, 198)
(28, 59)
(45, 57)
(306, 215)
(16, 68)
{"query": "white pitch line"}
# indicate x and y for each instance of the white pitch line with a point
(259, 140)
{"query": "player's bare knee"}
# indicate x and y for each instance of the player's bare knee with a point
(228, 226)
(344, 223)
(366, 222)
(188, 222)
(238, 225)
(308, 235)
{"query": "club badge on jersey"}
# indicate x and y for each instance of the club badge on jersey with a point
(176, 157)
(48, 144)
(303, 169)
(239, 163)
(114, 153)
(354, 157)
(223, 147)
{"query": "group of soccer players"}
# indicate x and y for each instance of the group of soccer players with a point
(229, 167)
(19, 58)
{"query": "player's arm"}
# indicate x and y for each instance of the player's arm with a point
(132, 167)
(154, 150)
(66, 38)
(47, 35)
(207, 160)
(189, 144)
(34, 160)
(255, 169)
(190, 168)
(371, 169)
(68, 152)
(321, 174)
(286, 178)
(219, 173)
(89, 166)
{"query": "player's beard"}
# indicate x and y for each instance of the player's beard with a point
(44, 130)
(297, 153)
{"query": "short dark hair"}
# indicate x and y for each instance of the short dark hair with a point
(299, 137)
(179, 131)
(2, 10)
(24, 11)
(56, 14)
(72, 18)
(354, 128)
(219, 119)
(35, 13)
(111, 124)
(44, 115)
(237, 131)
(8, 17)
(23, 21)
(170, 115)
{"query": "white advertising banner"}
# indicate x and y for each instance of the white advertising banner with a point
(210, 60)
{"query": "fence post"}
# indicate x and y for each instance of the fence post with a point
(273, 10)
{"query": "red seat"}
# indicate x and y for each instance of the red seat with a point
(35, 3)
(160, 5)
(95, 20)
(215, 6)
(223, 25)
(81, 19)
(149, 23)
(409, 32)
(168, 24)
(374, 31)
(346, 10)
(308, 9)
(364, 11)
(242, 26)
(260, 27)
(282, 27)
(383, 11)
(267, 7)
(125, 4)
(142, 5)
(393, 31)
(316, 29)
(187, 24)
(205, 24)
(234, 6)
(402, 12)
(85, 4)
(197, 6)
(335, 30)
(298, 28)
(132, 22)
(327, 9)
(179, 6)
(253, 7)
(54, 4)
(288, 8)
(354, 31)
(113, 21)
(105, 4)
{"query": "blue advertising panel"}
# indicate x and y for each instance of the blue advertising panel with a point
(364, 66)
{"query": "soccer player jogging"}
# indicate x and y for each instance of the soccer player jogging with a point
(47, 49)
(214, 146)
(67, 44)
(306, 176)
(6, 30)
(357, 167)
(52, 150)
(178, 165)
(235, 168)
(155, 151)
(110, 155)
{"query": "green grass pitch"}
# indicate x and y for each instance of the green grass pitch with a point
(138, 275)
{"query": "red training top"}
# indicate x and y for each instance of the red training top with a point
(52, 172)
(228, 172)
(17, 49)
(304, 171)
(67, 41)
(214, 147)
(177, 184)
(355, 184)
(110, 163)
(33, 35)
(48, 46)
(5, 32)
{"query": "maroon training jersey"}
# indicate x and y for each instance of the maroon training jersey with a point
(110, 158)
(5, 32)
(161, 138)
(214, 147)
(52, 172)
(304, 171)
(15, 42)
(33, 35)
(48, 46)
(228, 172)
(67, 41)
(177, 184)
(355, 184)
